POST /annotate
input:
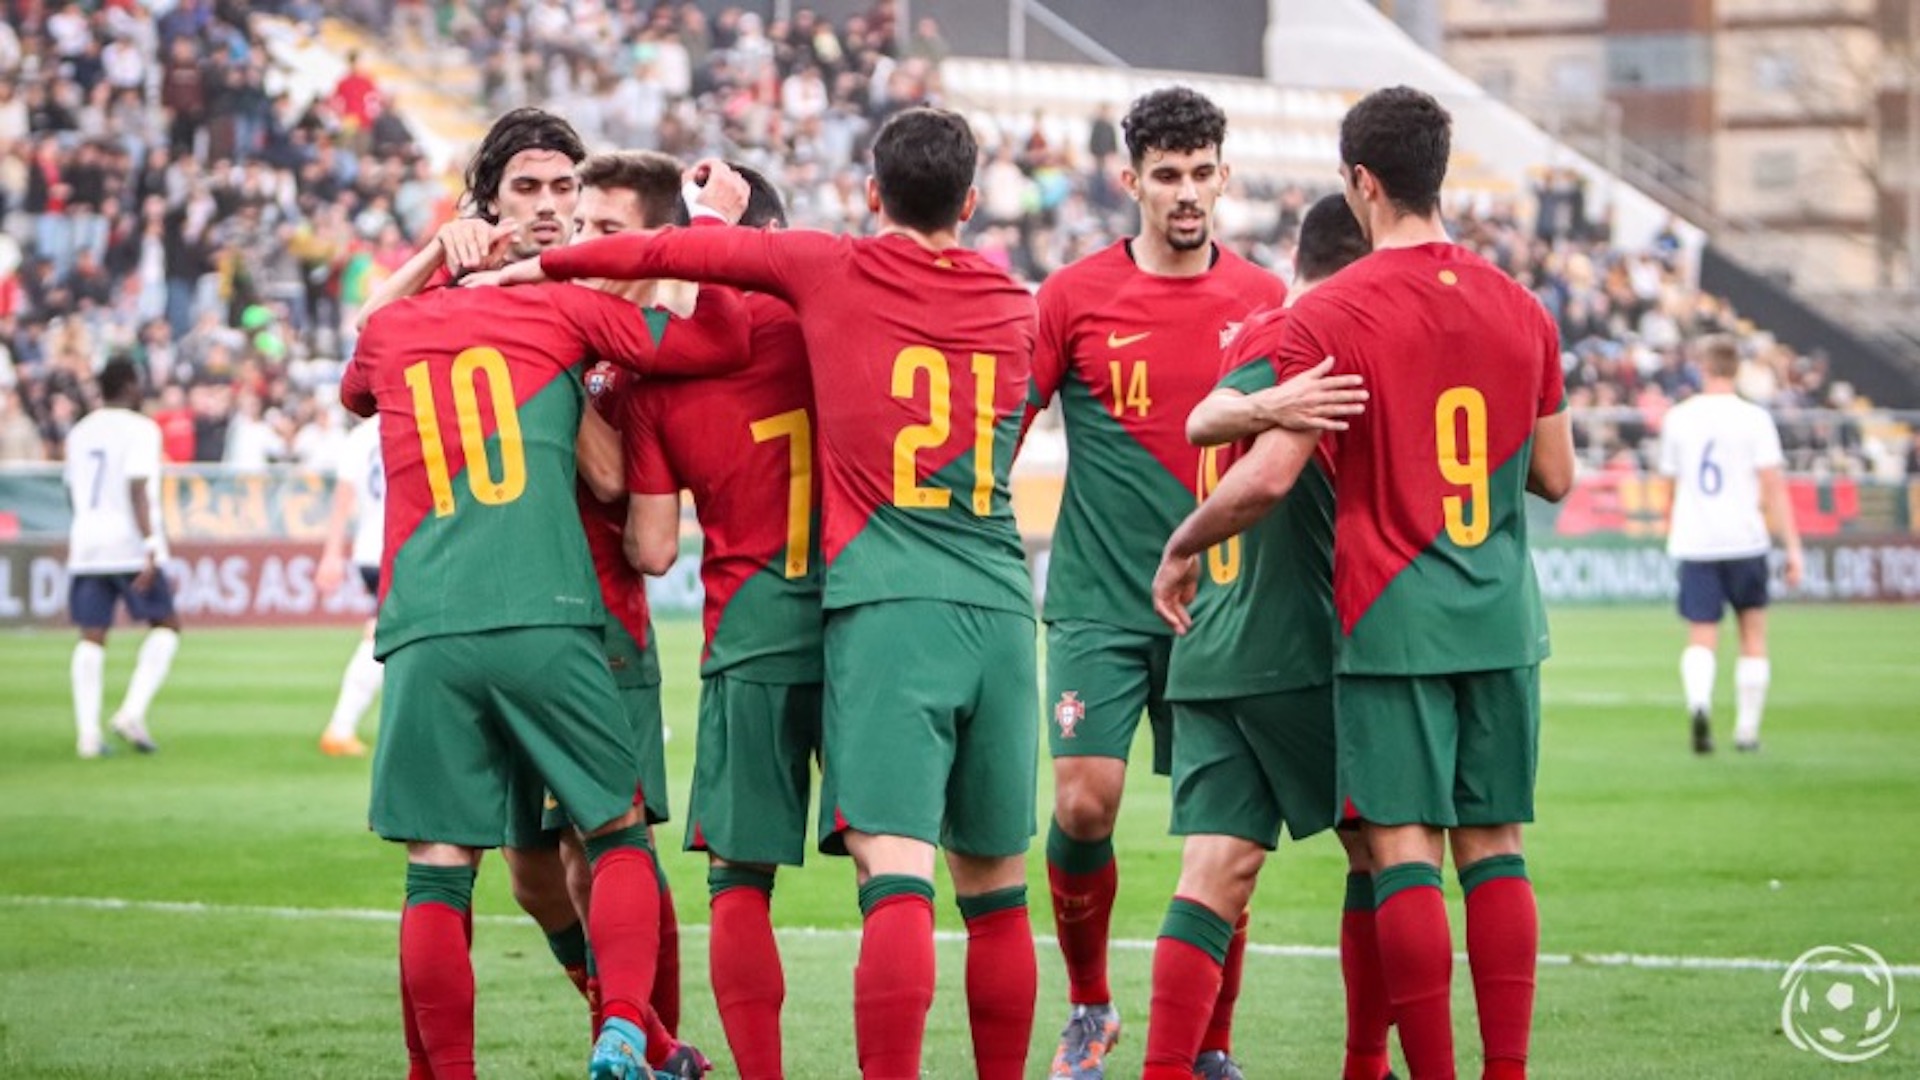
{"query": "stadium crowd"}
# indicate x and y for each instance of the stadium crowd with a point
(165, 194)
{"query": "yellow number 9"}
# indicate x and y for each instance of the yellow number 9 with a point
(1469, 519)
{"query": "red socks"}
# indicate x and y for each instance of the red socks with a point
(1220, 1029)
(1187, 972)
(1416, 956)
(1002, 980)
(1503, 946)
(666, 968)
(436, 970)
(1084, 880)
(893, 982)
(1368, 1013)
(744, 961)
(623, 922)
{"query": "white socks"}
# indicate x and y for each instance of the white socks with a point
(1696, 677)
(358, 687)
(1750, 677)
(156, 657)
(89, 665)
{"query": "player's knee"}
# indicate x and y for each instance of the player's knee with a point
(1470, 845)
(1086, 805)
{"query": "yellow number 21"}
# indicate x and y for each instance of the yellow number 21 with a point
(908, 491)
(1469, 519)
(467, 367)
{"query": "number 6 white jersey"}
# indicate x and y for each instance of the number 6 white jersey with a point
(359, 467)
(1714, 446)
(105, 451)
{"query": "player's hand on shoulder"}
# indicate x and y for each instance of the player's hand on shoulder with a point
(722, 190)
(470, 244)
(1314, 400)
(1174, 585)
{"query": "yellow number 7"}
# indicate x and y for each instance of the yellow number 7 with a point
(798, 431)
(1469, 519)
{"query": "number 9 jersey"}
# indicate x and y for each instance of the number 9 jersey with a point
(1432, 573)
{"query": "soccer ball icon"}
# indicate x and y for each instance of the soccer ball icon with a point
(1839, 1003)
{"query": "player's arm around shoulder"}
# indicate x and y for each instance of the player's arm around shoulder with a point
(652, 538)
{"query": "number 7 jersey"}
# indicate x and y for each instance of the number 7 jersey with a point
(1431, 569)
(480, 399)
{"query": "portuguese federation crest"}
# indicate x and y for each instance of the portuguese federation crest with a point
(1068, 712)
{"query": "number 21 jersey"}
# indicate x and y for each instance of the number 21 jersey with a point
(1431, 571)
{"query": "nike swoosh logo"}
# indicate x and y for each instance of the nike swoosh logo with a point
(1115, 341)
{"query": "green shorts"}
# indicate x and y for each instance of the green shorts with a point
(1245, 766)
(753, 770)
(1440, 750)
(474, 726)
(930, 726)
(642, 721)
(1099, 679)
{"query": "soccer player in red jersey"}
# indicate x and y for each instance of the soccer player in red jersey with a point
(921, 353)
(744, 447)
(1438, 730)
(490, 626)
(1130, 340)
(1252, 687)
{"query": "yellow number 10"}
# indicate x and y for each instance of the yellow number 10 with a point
(908, 491)
(794, 427)
(1469, 519)
(467, 367)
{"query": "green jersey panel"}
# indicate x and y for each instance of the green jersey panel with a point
(1119, 507)
(770, 631)
(1409, 631)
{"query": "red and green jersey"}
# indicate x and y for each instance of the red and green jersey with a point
(1431, 568)
(920, 365)
(479, 397)
(1130, 354)
(744, 446)
(1263, 618)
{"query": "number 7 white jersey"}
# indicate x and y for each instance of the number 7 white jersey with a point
(105, 451)
(1714, 446)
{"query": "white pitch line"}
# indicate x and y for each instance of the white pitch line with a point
(1289, 952)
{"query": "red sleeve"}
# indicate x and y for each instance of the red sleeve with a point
(1553, 382)
(1300, 347)
(714, 340)
(356, 390)
(1051, 351)
(787, 264)
(648, 470)
(613, 329)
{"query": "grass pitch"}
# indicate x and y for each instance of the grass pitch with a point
(219, 910)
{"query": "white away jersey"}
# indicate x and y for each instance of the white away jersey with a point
(1714, 446)
(106, 450)
(359, 467)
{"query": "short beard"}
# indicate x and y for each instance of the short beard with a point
(1179, 242)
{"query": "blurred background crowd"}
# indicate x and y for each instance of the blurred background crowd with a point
(167, 190)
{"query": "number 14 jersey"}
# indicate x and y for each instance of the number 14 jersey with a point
(1431, 570)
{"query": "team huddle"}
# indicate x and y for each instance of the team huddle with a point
(1342, 633)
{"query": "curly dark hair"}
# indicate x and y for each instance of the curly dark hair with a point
(1173, 120)
(120, 381)
(1330, 239)
(519, 130)
(1402, 136)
